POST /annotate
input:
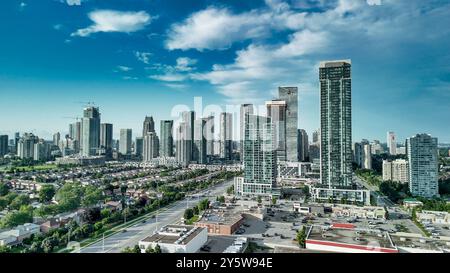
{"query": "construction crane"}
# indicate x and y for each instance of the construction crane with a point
(75, 118)
(86, 103)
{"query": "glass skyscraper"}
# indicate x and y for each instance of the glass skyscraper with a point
(423, 165)
(336, 124)
(226, 135)
(166, 145)
(125, 141)
(199, 150)
(90, 137)
(290, 96)
(260, 160)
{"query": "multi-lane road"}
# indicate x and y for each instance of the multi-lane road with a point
(130, 236)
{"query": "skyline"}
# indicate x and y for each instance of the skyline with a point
(400, 76)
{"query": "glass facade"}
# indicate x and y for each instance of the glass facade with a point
(290, 96)
(336, 124)
(423, 165)
(259, 156)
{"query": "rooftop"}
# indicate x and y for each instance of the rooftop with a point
(221, 216)
(174, 234)
(429, 244)
(351, 236)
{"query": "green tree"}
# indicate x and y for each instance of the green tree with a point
(15, 218)
(188, 214)
(301, 237)
(46, 210)
(21, 200)
(230, 190)
(4, 189)
(158, 249)
(259, 199)
(204, 204)
(69, 196)
(274, 200)
(149, 249)
(92, 195)
(46, 193)
(3, 203)
(196, 210)
(221, 199)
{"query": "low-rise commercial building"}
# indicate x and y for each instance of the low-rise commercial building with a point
(434, 217)
(366, 212)
(176, 239)
(221, 221)
(348, 240)
(18, 234)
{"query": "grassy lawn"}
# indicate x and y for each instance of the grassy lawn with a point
(43, 167)
(193, 220)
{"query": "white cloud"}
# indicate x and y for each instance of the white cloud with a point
(124, 68)
(57, 26)
(169, 77)
(185, 64)
(130, 78)
(215, 28)
(258, 69)
(115, 21)
(143, 56)
(73, 2)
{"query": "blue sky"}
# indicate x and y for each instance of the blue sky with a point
(142, 57)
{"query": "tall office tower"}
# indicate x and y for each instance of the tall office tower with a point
(90, 127)
(126, 136)
(106, 138)
(336, 124)
(183, 149)
(316, 136)
(188, 118)
(226, 135)
(367, 157)
(41, 150)
(71, 130)
(246, 109)
(276, 111)
(166, 142)
(377, 148)
(260, 160)
(75, 135)
(139, 146)
(4, 149)
(199, 150)
(25, 146)
(56, 138)
(397, 170)
(423, 165)
(149, 126)
(290, 96)
(209, 135)
(314, 152)
(391, 143)
(150, 147)
(303, 146)
(359, 154)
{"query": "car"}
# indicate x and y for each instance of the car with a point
(124, 230)
(206, 248)
(144, 221)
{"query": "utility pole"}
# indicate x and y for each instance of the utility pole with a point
(103, 243)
